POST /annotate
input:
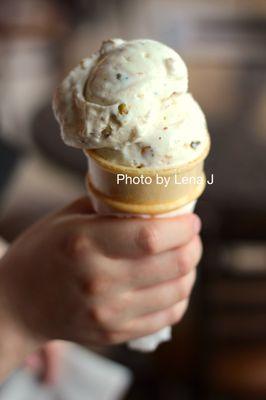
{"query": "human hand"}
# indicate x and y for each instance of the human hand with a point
(99, 280)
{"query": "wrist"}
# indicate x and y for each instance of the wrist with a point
(16, 342)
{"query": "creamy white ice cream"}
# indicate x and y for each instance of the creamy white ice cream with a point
(130, 101)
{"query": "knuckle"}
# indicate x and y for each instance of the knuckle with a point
(117, 310)
(184, 290)
(192, 281)
(198, 249)
(184, 261)
(77, 246)
(148, 238)
(176, 314)
(97, 286)
(100, 315)
(187, 286)
(189, 256)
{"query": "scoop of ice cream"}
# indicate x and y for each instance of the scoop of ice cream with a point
(179, 137)
(130, 101)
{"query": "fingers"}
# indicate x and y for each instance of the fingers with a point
(160, 297)
(146, 325)
(151, 323)
(128, 306)
(166, 266)
(105, 276)
(138, 237)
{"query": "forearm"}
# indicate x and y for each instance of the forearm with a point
(15, 342)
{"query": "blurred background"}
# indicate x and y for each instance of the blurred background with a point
(219, 349)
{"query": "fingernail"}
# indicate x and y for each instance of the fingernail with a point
(196, 224)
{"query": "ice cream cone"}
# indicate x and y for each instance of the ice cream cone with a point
(143, 190)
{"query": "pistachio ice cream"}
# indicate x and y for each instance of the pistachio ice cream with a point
(130, 101)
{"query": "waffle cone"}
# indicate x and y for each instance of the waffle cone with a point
(185, 184)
